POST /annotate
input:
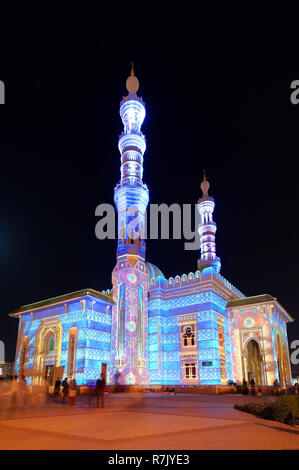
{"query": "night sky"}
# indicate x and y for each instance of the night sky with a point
(217, 97)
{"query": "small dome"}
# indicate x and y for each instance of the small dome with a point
(153, 271)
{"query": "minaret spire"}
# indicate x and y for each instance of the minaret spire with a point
(207, 229)
(131, 195)
(132, 68)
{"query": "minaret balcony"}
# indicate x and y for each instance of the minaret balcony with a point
(132, 141)
(132, 112)
(207, 229)
(124, 247)
(214, 263)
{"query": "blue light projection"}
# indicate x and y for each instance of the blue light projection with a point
(186, 330)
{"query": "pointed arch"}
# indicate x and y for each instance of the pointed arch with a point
(254, 362)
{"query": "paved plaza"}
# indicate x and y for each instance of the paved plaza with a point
(145, 421)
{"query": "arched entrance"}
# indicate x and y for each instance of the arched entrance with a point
(49, 357)
(48, 354)
(254, 362)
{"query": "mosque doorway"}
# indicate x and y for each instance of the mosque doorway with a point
(254, 363)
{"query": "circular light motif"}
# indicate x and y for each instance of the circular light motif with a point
(132, 278)
(131, 326)
(130, 379)
(249, 322)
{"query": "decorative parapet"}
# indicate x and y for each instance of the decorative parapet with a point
(107, 292)
(187, 317)
(191, 278)
(130, 96)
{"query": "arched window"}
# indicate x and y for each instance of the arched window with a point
(52, 344)
(188, 336)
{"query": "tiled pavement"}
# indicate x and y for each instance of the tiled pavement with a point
(146, 421)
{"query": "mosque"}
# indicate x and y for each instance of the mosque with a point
(193, 329)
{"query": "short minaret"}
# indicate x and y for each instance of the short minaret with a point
(207, 229)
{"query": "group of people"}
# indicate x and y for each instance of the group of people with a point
(68, 390)
(16, 394)
(98, 392)
(250, 388)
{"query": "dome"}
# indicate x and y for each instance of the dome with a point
(153, 271)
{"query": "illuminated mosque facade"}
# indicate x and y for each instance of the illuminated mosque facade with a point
(193, 329)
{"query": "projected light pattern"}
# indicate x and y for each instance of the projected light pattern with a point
(91, 318)
(190, 329)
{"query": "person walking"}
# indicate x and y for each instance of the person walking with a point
(252, 386)
(65, 390)
(244, 387)
(14, 392)
(100, 390)
(23, 390)
(72, 392)
(90, 395)
(57, 389)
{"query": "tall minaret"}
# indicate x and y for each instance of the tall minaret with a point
(130, 276)
(207, 229)
(131, 195)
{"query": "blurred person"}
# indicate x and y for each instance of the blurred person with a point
(65, 390)
(57, 389)
(14, 392)
(100, 390)
(276, 387)
(245, 387)
(252, 386)
(42, 395)
(90, 394)
(72, 392)
(23, 390)
(5, 387)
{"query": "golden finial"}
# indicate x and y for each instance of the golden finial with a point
(205, 185)
(205, 177)
(132, 68)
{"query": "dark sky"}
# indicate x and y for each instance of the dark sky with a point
(217, 97)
